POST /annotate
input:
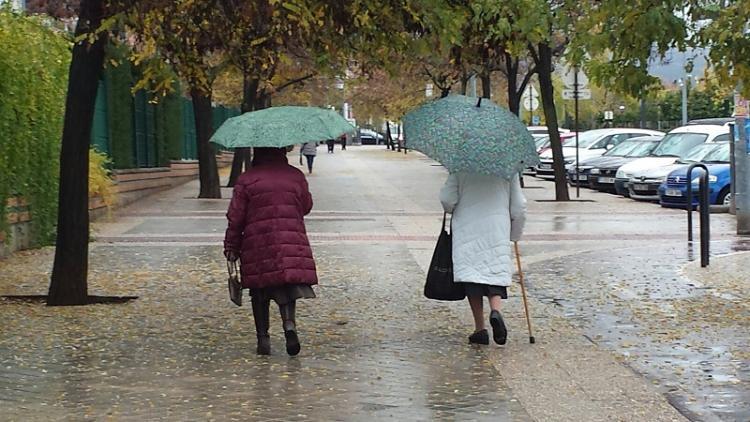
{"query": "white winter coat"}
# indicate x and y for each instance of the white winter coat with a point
(487, 214)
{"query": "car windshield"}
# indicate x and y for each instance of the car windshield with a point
(587, 139)
(621, 150)
(643, 149)
(719, 155)
(699, 153)
(570, 141)
(679, 144)
(540, 142)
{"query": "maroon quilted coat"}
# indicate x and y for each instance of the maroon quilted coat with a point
(266, 226)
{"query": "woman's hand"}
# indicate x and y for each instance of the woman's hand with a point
(232, 256)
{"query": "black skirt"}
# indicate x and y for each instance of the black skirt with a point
(476, 289)
(284, 294)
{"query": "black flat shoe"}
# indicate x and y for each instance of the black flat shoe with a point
(480, 337)
(264, 345)
(292, 342)
(499, 332)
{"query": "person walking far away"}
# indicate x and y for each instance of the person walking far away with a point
(488, 212)
(343, 142)
(309, 150)
(330, 143)
(266, 232)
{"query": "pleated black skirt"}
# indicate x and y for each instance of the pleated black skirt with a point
(284, 294)
(476, 289)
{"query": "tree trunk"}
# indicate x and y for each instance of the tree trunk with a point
(486, 86)
(68, 284)
(544, 68)
(243, 156)
(208, 171)
(514, 97)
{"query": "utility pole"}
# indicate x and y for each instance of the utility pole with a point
(684, 85)
(742, 164)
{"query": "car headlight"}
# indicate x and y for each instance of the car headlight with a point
(622, 175)
(711, 179)
(595, 171)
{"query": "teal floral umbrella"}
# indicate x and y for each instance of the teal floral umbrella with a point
(281, 127)
(467, 134)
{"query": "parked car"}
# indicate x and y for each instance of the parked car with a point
(716, 121)
(542, 131)
(370, 137)
(641, 186)
(644, 176)
(599, 172)
(592, 143)
(543, 144)
(673, 192)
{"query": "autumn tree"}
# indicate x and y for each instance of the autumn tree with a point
(269, 44)
(182, 34)
(69, 280)
(726, 36)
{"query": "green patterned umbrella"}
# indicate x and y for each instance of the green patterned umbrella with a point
(466, 137)
(280, 127)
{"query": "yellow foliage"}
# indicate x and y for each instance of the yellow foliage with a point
(100, 180)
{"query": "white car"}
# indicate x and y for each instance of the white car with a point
(592, 143)
(643, 176)
(542, 131)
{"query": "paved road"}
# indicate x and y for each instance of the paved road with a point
(373, 348)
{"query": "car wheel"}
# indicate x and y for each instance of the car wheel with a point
(725, 197)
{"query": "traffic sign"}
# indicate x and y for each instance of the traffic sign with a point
(530, 91)
(569, 78)
(609, 115)
(530, 103)
(583, 94)
(535, 120)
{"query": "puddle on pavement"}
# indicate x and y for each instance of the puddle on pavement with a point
(636, 304)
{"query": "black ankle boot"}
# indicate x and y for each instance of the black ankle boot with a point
(499, 332)
(480, 337)
(261, 317)
(290, 329)
(264, 344)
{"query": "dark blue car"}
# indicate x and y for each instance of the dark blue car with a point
(673, 192)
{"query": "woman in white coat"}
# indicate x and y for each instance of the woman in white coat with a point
(488, 213)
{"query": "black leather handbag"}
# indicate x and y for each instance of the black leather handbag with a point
(235, 285)
(439, 284)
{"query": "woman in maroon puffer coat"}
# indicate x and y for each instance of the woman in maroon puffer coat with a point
(267, 233)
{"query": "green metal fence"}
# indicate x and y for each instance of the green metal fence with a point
(159, 132)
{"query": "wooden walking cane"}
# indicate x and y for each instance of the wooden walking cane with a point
(523, 293)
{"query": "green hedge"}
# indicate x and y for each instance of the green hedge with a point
(33, 82)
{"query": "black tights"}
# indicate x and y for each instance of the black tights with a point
(261, 315)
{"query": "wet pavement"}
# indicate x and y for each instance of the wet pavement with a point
(625, 330)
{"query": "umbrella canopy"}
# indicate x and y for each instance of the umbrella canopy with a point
(465, 134)
(281, 127)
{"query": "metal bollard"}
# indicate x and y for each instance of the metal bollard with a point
(704, 209)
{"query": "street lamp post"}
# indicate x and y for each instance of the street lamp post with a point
(683, 83)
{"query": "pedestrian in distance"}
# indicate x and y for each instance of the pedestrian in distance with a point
(487, 214)
(330, 143)
(343, 142)
(309, 150)
(266, 232)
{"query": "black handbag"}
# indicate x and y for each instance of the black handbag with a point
(235, 285)
(439, 284)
